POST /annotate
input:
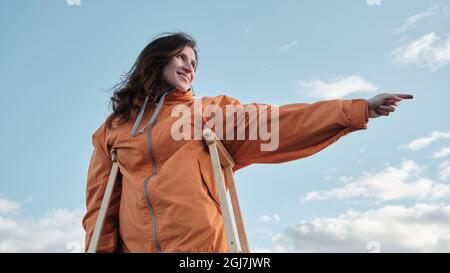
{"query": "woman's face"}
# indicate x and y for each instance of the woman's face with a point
(179, 72)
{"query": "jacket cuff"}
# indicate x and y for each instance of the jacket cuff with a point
(358, 114)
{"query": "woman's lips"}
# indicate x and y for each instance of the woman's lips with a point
(183, 77)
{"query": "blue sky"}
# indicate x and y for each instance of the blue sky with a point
(387, 186)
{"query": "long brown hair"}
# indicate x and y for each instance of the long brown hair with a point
(145, 77)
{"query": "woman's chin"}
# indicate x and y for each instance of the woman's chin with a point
(183, 87)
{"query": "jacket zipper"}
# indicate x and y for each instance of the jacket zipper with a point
(152, 211)
(147, 180)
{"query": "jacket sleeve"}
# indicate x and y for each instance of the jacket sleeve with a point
(97, 178)
(303, 129)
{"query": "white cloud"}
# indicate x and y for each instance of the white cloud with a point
(442, 152)
(73, 2)
(337, 87)
(287, 46)
(430, 51)
(58, 231)
(345, 179)
(444, 170)
(7, 206)
(390, 184)
(420, 228)
(423, 142)
(269, 218)
(411, 22)
(259, 250)
(373, 2)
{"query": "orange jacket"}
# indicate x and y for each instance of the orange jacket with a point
(166, 200)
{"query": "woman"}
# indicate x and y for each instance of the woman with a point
(166, 200)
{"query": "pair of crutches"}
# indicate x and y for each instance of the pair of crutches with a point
(233, 221)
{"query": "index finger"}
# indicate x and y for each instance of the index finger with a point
(405, 96)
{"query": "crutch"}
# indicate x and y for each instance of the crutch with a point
(105, 203)
(220, 157)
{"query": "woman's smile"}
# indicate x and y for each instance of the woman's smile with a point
(183, 76)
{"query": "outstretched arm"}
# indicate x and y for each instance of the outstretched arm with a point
(296, 130)
(305, 129)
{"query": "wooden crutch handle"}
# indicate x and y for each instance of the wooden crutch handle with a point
(226, 161)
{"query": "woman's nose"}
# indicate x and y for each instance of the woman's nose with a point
(188, 68)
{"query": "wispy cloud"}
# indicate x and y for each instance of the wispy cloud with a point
(420, 228)
(270, 218)
(423, 142)
(442, 152)
(412, 21)
(392, 183)
(345, 179)
(430, 51)
(58, 231)
(334, 88)
(287, 46)
(373, 2)
(444, 170)
(73, 2)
